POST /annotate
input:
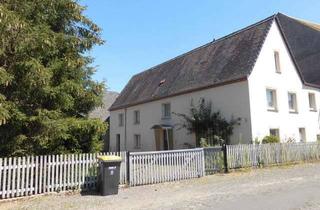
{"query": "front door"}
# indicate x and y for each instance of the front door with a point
(167, 139)
(302, 134)
(118, 143)
(163, 138)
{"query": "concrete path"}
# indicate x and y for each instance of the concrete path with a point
(291, 187)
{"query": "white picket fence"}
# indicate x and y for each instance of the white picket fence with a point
(31, 175)
(24, 176)
(165, 166)
(250, 155)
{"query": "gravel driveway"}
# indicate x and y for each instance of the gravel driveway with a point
(291, 187)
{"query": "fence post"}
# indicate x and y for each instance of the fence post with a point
(128, 167)
(225, 158)
(203, 163)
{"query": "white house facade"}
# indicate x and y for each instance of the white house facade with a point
(298, 122)
(152, 114)
(258, 75)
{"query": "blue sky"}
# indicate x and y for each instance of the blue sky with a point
(140, 34)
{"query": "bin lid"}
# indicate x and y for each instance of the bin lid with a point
(109, 158)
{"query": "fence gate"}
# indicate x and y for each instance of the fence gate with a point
(214, 159)
(165, 166)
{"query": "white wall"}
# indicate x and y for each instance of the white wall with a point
(231, 100)
(264, 75)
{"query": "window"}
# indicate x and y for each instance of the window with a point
(271, 99)
(136, 117)
(166, 110)
(292, 100)
(274, 132)
(137, 141)
(312, 102)
(302, 134)
(162, 82)
(120, 119)
(277, 61)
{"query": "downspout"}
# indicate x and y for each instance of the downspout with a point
(125, 129)
(167, 135)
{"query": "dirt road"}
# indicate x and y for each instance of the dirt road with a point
(292, 187)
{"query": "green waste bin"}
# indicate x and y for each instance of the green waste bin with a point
(109, 174)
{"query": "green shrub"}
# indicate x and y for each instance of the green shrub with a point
(270, 139)
(203, 142)
(204, 122)
(256, 141)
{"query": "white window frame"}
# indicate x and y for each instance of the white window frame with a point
(277, 62)
(136, 117)
(166, 114)
(120, 119)
(313, 102)
(277, 131)
(293, 109)
(274, 107)
(137, 141)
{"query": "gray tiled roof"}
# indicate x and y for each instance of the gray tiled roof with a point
(102, 112)
(223, 61)
(303, 41)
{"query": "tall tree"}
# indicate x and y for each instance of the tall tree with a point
(46, 89)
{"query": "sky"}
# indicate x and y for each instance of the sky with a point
(140, 34)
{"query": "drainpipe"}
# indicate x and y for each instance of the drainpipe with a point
(167, 135)
(125, 129)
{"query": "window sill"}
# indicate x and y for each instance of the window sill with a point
(293, 112)
(272, 110)
(313, 110)
(166, 118)
(137, 123)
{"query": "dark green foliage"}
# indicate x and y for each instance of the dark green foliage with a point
(207, 124)
(270, 139)
(46, 90)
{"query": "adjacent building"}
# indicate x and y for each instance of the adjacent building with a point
(102, 113)
(267, 75)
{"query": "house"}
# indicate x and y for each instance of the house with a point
(102, 113)
(267, 75)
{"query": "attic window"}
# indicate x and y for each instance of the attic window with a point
(277, 61)
(162, 81)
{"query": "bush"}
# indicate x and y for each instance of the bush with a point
(203, 142)
(256, 141)
(204, 122)
(270, 139)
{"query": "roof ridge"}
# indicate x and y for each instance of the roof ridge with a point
(299, 19)
(309, 23)
(212, 42)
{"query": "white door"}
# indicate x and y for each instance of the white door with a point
(302, 134)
